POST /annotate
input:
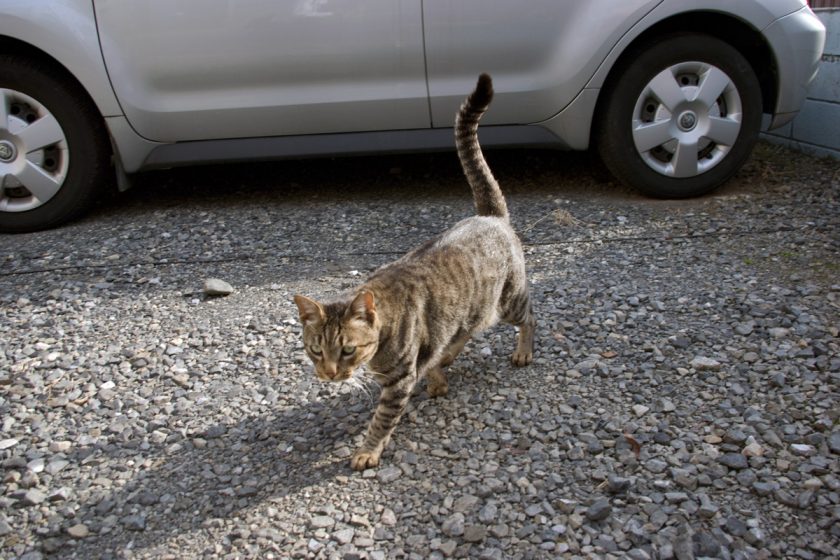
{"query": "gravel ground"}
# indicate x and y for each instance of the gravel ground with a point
(683, 402)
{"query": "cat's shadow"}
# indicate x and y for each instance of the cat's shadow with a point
(234, 467)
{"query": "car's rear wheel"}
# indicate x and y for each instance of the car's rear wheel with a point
(54, 152)
(680, 117)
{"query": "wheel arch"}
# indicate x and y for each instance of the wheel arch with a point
(17, 47)
(732, 30)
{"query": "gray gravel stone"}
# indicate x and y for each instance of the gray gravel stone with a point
(453, 526)
(736, 527)
(474, 533)
(705, 545)
(134, 522)
(834, 442)
(656, 466)
(707, 508)
(617, 484)
(344, 536)
(703, 363)
(78, 531)
(599, 510)
(465, 503)
(388, 517)
(388, 474)
(33, 497)
(734, 461)
(803, 450)
(322, 522)
(487, 514)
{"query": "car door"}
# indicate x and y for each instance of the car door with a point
(211, 69)
(541, 53)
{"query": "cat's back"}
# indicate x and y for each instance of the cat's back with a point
(479, 232)
(454, 282)
(476, 247)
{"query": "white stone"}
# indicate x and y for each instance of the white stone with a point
(60, 446)
(803, 449)
(344, 536)
(216, 287)
(753, 450)
(703, 363)
(79, 531)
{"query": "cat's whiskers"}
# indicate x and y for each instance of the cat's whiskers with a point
(369, 374)
(359, 384)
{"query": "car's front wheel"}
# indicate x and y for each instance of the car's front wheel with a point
(54, 152)
(681, 117)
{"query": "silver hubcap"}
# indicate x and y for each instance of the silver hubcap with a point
(686, 119)
(33, 153)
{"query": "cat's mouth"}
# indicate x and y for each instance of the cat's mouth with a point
(339, 376)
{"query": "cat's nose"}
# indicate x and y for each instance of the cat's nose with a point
(331, 372)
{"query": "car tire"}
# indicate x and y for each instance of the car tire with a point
(680, 117)
(54, 150)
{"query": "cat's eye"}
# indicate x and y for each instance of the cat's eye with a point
(315, 349)
(348, 350)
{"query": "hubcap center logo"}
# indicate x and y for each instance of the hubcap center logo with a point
(7, 151)
(687, 121)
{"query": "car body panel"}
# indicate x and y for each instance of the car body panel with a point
(573, 125)
(132, 150)
(798, 40)
(357, 143)
(209, 69)
(350, 76)
(66, 31)
(535, 51)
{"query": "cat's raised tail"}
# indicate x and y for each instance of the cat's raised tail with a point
(488, 197)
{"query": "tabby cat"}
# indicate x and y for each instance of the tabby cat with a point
(412, 317)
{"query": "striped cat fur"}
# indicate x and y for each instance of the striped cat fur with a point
(412, 317)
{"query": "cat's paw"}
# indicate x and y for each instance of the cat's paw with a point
(521, 358)
(363, 459)
(437, 390)
(436, 383)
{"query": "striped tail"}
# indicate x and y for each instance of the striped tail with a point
(489, 200)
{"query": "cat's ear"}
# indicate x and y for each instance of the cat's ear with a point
(310, 310)
(362, 308)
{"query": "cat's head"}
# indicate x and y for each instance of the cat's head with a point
(339, 337)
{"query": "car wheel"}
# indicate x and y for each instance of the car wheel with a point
(54, 152)
(680, 117)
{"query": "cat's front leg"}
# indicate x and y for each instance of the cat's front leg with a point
(392, 403)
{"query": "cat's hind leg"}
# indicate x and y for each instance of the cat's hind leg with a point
(518, 312)
(437, 385)
(455, 347)
(524, 353)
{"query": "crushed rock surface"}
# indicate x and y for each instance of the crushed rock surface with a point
(683, 400)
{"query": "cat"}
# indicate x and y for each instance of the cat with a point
(412, 317)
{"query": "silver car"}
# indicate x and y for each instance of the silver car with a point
(670, 92)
